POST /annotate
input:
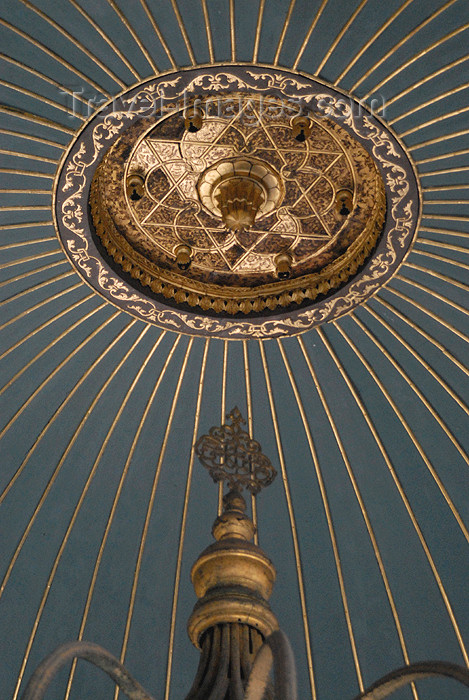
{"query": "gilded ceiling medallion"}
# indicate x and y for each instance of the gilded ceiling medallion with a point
(243, 203)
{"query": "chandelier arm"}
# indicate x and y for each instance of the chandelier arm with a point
(414, 672)
(277, 652)
(88, 651)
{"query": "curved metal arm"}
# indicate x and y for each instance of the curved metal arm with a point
(275, 651)
(408, 674)
(93, 653)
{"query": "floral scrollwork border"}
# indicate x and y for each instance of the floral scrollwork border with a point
(100, 133)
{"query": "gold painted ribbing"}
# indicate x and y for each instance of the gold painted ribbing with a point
(31, 207)
(444, 172)
(438, 139)
(158, 33)
(247, 381)
(427, 78)
(68, 398)
(447, 217)
(30, 173)
(308, 34)
(208, 31)
(442, 348)
(432, 292)
(291, 514)
(340, 36)
(151, 502)
(34, 288)
(283, 32)
(118, 493)
(23, 191)
(23, 275)
(55, 56)
(31, 310)
(453, 154)
(446, 201)
(445, 188)
(401, 43)
(359, 497)
(232, 31)
(106, 38)
(441, 244)
(328, 514)
(183, 31)
(435, 120)
(401, 491)
(223, 413)
(29, 156)
(442, 258)
(372, 40)
(42, 76)
(55, 370)
(38, 256)
(439, 276)
(75, 42)
(30, 93)
(260, 17)
(182, 532)
(416, 355)
(427, 312)
(34, 118)
(134, 35)
(68, 531)
(445, 231)
(433, 100)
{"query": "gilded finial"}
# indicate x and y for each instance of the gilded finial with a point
(231, 455)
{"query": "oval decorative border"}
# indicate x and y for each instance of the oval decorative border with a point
(166, 92)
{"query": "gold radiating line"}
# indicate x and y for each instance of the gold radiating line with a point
(40, 98)
(208, 31)
(31, 173)
(183, 32)
(260, 17)
(453, 154)
(182, 533)
(23, 275)
(444, 172)
(118, 493)
(34, 288)
(247, 380)
(400, 43)
(158, 33)
(421, 332)
(134, 34)
(38, 256)
(361, 502)
(372, 40)
(35, 207)
(75, 42)
(399, 487)
(284, 31)
(433, 293)
(53, 373)
(55, 83)
(23, 191)
(448, 217)
(296, 546)
(232, 31)
(439, 276)
(55, 56)
(435, 120)
(441, 244)
(445, 231)
(426, 311)
(421, 396)
(31, 309)
(69, 396)
(27, 116)
(340, 35)
(439, 139)
(29, 156)
(450, 261)
(223, 414)
(65, 538)
(433, 100)
(149, 512)
(421, 82)
(446, 201)
(106, 38)
(308, 34)
(328, 514)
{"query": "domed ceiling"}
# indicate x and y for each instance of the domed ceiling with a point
(103, 506)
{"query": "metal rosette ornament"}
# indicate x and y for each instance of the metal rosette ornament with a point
(236, 202)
